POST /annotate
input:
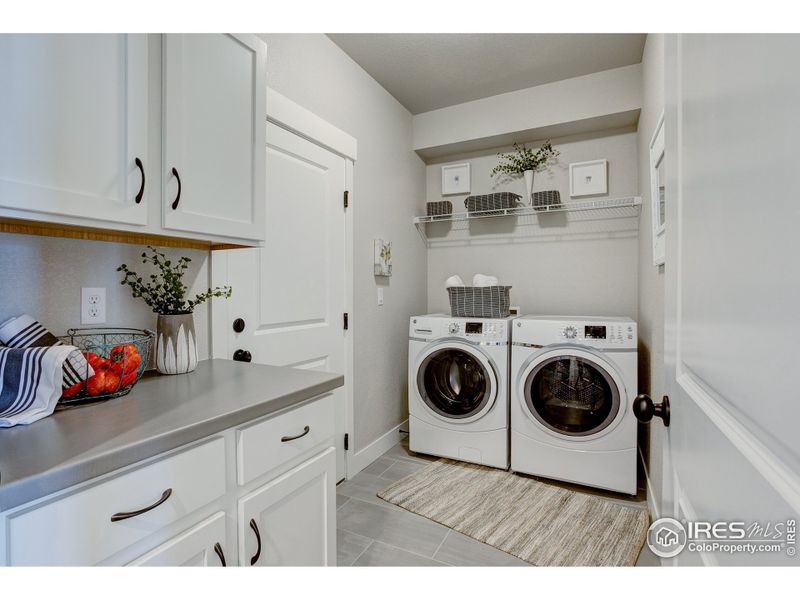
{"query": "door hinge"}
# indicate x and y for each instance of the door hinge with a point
(345, 321)
(347, 441)
(346, 198)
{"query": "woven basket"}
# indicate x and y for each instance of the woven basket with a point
(440, 208)
(499, 200)
(491, 302)
(541, 200)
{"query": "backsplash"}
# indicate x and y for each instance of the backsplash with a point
(43, 276)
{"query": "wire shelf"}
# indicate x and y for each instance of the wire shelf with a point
(520, 211)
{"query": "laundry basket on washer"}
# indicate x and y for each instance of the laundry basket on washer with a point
(490, 302)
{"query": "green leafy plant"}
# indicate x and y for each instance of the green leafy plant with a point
(524, 159)
(386, 253)
(165, 292)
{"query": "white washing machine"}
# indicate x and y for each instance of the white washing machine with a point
(458, 392)
(573, 382)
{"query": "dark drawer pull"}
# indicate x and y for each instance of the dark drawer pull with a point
(178, 196)
(289, 438)
(254, 527)
(121, 516)
(141, 188)
(220, 553)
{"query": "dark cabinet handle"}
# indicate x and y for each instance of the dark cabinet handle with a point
(178, 197)
(141, 188)
(289, 438)
(242, 355)
(645, 410)
(220, 553)
(121, 516)
(254, 527)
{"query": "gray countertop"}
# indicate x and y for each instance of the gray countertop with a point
(160, 413)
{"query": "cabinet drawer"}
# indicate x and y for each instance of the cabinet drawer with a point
(78, 530)
(266, 445)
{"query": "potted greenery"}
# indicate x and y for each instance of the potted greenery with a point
(165, 293)
(524, 161)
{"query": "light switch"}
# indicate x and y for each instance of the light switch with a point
(380, 296)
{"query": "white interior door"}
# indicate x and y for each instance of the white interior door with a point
(291, 292)
(73, 123)
(215, 89)
(733, 216)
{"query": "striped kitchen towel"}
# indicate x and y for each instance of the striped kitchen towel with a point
(26, 332)
(30, 382)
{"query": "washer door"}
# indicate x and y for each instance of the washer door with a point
(456, 381)
(573, 393)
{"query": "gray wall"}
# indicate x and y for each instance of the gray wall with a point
(575, 263)
(389, 191)
(651, 278)
(43, 276)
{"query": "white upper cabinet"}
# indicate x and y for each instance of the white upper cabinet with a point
(214, 120)
(73, 126)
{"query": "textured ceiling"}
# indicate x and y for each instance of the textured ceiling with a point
(428, 71)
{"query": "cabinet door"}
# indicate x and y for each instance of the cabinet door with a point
(293, 517)
(200, 546)
(215, 116)
(73, 114)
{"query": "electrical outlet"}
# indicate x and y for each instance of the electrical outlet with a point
(93, 306)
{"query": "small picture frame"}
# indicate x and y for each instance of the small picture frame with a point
(658, 193)
(456, 179)
(589, 178)
(383, 258)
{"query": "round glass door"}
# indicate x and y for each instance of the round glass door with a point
(572, 395)
(454, 383)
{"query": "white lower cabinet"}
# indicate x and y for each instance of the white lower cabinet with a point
(200, 546)
(186, 507)
(290, 521)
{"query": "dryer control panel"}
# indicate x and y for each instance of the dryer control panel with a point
(598, 332)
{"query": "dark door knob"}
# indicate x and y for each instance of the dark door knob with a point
(242, 355)
(645, 409)
(238, 325)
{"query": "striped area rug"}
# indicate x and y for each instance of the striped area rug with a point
(543, 524)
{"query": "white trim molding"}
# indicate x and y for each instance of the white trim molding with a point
(290, 115)
(652, 502)
(772, 468)
(366, 456)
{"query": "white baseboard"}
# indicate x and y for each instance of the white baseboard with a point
(371, 453)
(652, 505)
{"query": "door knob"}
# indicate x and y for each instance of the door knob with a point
(645, 409)
(238, 325)
(242, 355)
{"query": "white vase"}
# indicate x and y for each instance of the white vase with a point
(176, 344)
(528, 186)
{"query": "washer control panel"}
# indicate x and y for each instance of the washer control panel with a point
(473, 330)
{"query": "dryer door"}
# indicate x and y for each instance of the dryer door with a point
(573, 392)
(456, 381)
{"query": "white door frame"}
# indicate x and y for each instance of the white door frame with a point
(289, 115)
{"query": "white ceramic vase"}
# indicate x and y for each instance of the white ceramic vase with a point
(176, 344)
(528, 186)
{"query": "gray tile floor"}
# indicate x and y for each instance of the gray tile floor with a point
(372, 532)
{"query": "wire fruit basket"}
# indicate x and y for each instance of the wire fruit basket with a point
(119, 357)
